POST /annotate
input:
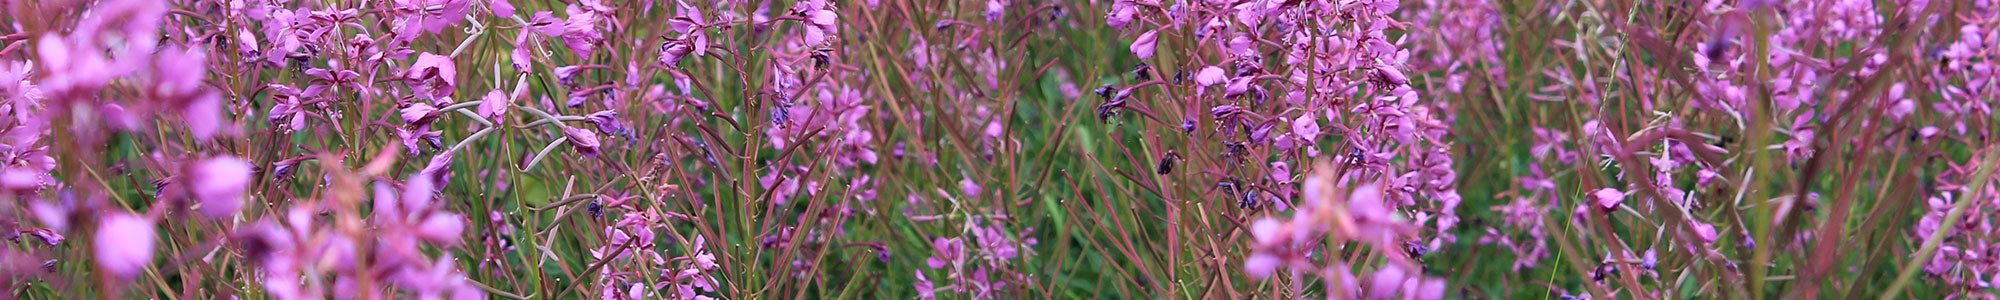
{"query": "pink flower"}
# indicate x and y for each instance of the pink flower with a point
(1270, 234)
(218, 184)
(204, 116)
(580, 31)
(433, 76)
(1122, 13)
(820, 21)
(1386, 282)
(1143, 46)
(969, 187)
(494, 105)
(501, 8)
(1209, 76)
(124, 244)
(925, 289)
(949, 252)
(584, 140)
(1608, 198)
(442, 228)
(1703, 230)
(419, 114)
(1305, 127)
(1374, 221)
(21, 180)
(994, 10)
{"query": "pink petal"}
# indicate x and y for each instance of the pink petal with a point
(443, 229)
(1608, 198)
(1208, 76)
(1260, 266)
(124, 245)
(1143, 47)
(218, 185)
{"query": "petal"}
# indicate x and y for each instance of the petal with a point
(1143, 46)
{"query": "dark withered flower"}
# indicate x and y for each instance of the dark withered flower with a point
(1167, 162)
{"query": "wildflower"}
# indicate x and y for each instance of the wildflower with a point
(494, 105)
(1305, 127)
(1143, 46)
(1704, 230)
(432, 76)
(218, 184)
(579, 32)
(607, 121)
(969, 187)
(1608, 198)
(949, 252)
(1209, 77)
(420, 115)
(994, 9)
(925, 289)
(820, 21)
(124, 244)
(585, 141)
(1272, 237)
(500, 8)
(442, 228)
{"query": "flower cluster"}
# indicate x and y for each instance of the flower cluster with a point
(1764, 131)
(1374, 149)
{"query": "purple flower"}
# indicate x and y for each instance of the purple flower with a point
(1608, 198)
(501, 8)
(949, 252)
(994, 9)
(1143, 46)
(580, 31)
(438, 170)
(442, 228)
(820, 21)
(1306, 127)
(925, 289)
(494, 105)
(607, 122)
(1209, 76)
(204, 116)
(1122, 13)
(218, 184)
(124, 244)
(432, 76)
(1703, 230)
(420, 114)
(969, 187)
(1269, 234)
(995, 240)
(1386, 282)
(585, 141)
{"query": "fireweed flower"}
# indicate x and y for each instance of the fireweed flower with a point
(218, 184)
(1607, 198)
(433, 76)
(124, 244)
(820, 20)
(950, 252)
(1145, 44)
(1376, 82)
(583, 140)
